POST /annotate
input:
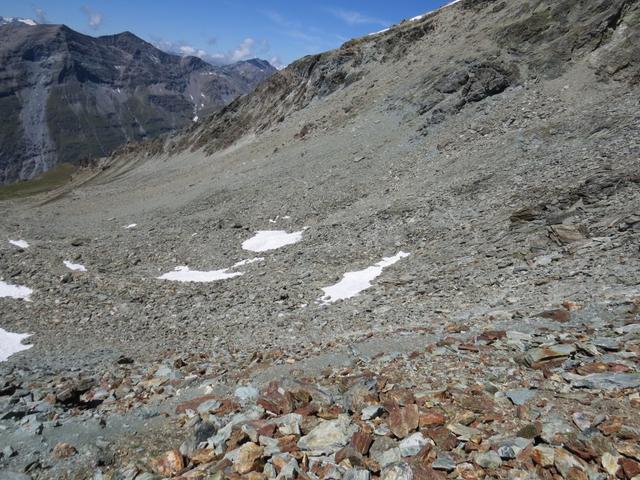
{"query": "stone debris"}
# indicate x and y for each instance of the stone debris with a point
(528, 405)
(391, 417)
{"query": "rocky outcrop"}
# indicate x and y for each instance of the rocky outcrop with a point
(68, 97)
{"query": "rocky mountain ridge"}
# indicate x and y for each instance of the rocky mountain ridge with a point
(72, 98)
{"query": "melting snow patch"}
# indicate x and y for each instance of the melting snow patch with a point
(14, 291)
(379, 31)
(184, 274)
(130, 226)
(76, 267)
(353, 283)
(420, 17)
(265, 240)
(248, 261)
(19, 243)
(11, 343)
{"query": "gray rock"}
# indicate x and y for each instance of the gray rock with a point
(7, 452)
(208, 406)
(371, 412)
(217, 441)
(445, 462)
(631, 328)
(412, 445)
(609, 344)
(328, 437)
(356, 474)
(246, 394)
(9, 475)
(581, 420)
(168, 372)
(488, 459)
(551, 352)
(269, 470)
(553, 429)
(604, 381)
(397, 471)
(288, 424)
(512, 447)
(388, 457)
(270, 445)
(520, 396)
(564, 462)
(381, 445)
(463, 432)
(148, 476)
(290, 471)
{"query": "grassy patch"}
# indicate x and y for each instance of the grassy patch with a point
(49, 180)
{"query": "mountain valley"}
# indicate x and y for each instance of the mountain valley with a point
(412, 257)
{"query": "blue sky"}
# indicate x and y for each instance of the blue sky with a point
(224, 30)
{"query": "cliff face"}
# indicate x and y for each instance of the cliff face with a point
(68, 97)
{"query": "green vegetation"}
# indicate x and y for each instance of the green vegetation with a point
(54, 178)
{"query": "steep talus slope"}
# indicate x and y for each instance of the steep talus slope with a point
(497, 143)
(432, 141)
(71, 98)
(532, 39)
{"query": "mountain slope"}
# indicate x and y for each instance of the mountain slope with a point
(490, 149)
(71, 98)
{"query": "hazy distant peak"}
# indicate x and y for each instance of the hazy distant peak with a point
(18, 21)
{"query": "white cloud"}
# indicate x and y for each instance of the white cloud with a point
(247, 49)
(94, 18)
(276, 62)
(40, 14)
(352, 17)
(243, 51)
(188, 50)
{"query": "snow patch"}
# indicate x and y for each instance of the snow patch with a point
(185, 274)
(195, 118)
(418, 17)
(14, 291)
(27, 21)
(76, 267)
(265, 240)
(379, 31)
(11, 343)
(19, 243)
(353, 283)
(130, 226)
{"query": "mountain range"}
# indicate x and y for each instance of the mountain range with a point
(71, 98)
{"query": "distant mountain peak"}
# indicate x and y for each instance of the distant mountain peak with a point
(121, 84)
(18, 21)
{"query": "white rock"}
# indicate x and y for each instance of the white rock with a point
(412, 445)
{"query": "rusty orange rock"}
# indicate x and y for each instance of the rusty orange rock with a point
(403, 420)
(248, 456)
(63, 450)
(168, 464)
(432, 418)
